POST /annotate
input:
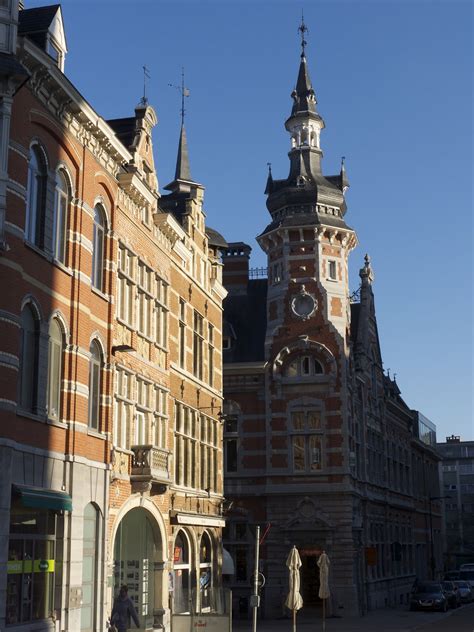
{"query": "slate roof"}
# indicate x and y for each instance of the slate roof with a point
(124, 129)
(355, 312)
(215, 238)
(36, 20)
(247, 315)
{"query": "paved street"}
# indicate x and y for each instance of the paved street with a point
(389, 620)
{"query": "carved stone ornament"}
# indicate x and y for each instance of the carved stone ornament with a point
(303, 305)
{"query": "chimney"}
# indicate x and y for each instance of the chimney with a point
(453, 439)
(236, 267)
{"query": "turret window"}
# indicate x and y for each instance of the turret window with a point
(304, 366)
(332, 271)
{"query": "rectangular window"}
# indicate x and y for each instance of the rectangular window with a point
(161, 313)
(145, 299)
(332, 270)
(198, 342)
(182, 333)
(123, 409)
(231, 455)
(160, 420)
(210, 353)
(125, 285)
(306, 441)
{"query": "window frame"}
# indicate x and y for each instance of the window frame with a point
(29, 360)
(55, 349)
(35, 219)
(62, 199)
(98, 247)
(95, 384)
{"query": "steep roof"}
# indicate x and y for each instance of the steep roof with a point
(246, 316)
(124, 129)
(36, 20)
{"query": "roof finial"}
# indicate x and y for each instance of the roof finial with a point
(146, 75)
(184, 93)
(367, 260)
(303, 29)
(269, 165)
(343, 160)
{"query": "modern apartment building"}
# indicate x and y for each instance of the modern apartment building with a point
(457, 483)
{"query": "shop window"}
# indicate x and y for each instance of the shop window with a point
(206, 579)
(55, 358)
(136, 552)
(181, 578)
(31, 564)
(36, 197)
(29, 361)
(89, 569)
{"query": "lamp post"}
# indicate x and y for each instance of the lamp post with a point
(433, 561)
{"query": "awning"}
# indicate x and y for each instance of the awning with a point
(40, 498)
(227, 563)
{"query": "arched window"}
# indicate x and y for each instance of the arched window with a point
(98, 248)
(29, 359)
(95, 367)
(36, 198)
(89, 569)
(206, 578)
(304, 366)
(181, 577)
(55, 359)
(61, 206)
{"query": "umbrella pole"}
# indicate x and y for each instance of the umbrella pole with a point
(294, 620)
(324, 615)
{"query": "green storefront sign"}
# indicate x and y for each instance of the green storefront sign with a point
(30, 566)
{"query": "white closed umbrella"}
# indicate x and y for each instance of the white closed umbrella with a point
(324, 592)
(294, 601)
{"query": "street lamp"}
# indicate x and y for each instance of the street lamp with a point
(433, 561)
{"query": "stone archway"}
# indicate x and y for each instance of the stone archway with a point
(138, 554)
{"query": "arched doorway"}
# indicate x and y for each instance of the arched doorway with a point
(138, 557)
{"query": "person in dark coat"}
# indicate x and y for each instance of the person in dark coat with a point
(123, 611)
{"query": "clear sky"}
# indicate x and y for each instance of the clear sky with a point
(393, 81)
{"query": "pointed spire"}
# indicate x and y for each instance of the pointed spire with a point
(269, 187)
(366, 273)
(303, 95)
(343, 174)
(183, 172)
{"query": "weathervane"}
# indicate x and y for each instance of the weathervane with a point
(303, 29)
(146, 75)
(184, 93)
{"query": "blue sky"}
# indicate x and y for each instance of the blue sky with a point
(393, 81)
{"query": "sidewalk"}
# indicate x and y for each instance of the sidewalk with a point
(386, 620)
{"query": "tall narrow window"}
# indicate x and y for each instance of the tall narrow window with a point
(29, 359)
(123, 408)
(332, 270)
(89, 569)
(61, 204)
(161, 313)
(182, 568)
(210, 353)
(36, 198)
(94, 385)
(182, 333)
(98, 248)
(197, 344)
(55, 356)
(125, 285)
(205, 573)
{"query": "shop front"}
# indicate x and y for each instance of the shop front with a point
(138, 563)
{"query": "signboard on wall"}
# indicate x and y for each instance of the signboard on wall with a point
(210, 623)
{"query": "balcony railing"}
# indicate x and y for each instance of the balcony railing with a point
(150, 465)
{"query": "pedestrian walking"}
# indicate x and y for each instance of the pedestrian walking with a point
(123, 611)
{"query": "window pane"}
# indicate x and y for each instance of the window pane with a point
(298, 420)
(299, 453)
(315, 452)
(314, 419)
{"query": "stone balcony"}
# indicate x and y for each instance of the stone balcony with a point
(151, 468)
